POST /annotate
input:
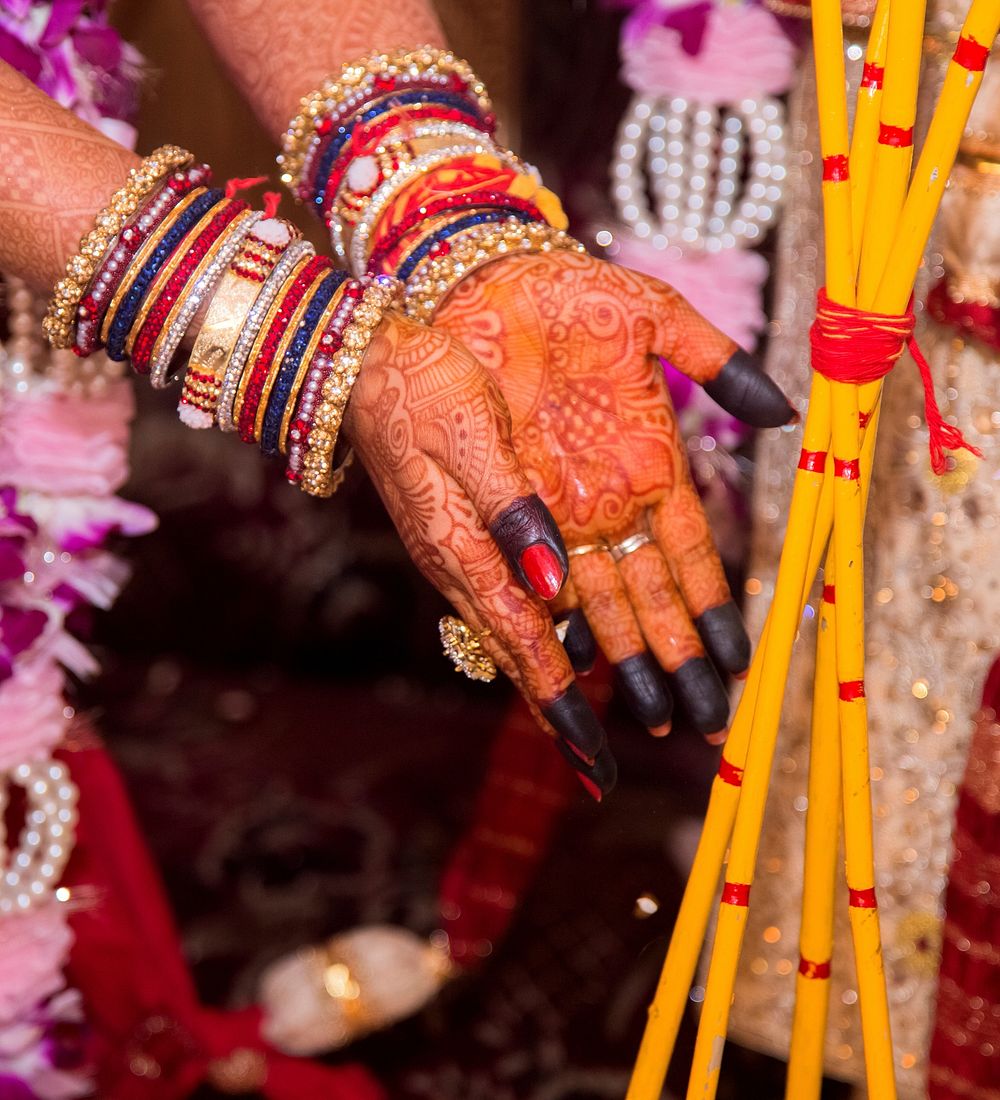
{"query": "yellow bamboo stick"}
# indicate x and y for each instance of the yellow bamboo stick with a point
(679, 967)
(812, 983)
(864, 137)
(828, 47)
(677, 975)
(892, 168)
(936, 162)
(894, 150)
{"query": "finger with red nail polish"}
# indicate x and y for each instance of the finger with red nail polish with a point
(530, 540)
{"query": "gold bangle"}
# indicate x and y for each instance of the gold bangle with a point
(428, 60)
(305, 362)
(261, 337)
(138, 262)
(227, 314)
(435, 278)
(60, 318)
(282, 349)
(319, 478)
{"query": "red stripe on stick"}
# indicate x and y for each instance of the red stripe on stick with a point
(829, 593)
(852, 690)
(736, 893)
(864, 418)
(813, 462)
(899, 137)
(862, 899)
(971, 54)
(730, 774)
(872, 76)
(847, 468)
(810, 969)
(836, 169)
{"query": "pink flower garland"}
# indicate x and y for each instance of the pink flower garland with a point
(62, 459)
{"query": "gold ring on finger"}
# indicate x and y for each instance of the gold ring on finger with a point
(589, 548)
(629, 546)
(463, 646)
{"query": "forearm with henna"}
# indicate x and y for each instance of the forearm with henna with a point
(57, 172)
(277, 53)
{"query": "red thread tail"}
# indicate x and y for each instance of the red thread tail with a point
(943, 436)
(236, 184)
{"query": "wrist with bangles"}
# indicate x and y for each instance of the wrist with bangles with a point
(396, 154)
(284, 332)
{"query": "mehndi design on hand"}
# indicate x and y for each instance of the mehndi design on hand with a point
(573, 344)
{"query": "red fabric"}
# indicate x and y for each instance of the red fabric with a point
(127, 964)
(972, 318)
(521, 801)
(965, 1047)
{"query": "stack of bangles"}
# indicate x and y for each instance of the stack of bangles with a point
(284, 331)
(396, 154)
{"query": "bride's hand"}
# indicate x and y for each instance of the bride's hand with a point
(573, 344)
(433, 431)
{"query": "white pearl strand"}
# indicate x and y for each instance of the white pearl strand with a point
(692, 157)
(31, 871)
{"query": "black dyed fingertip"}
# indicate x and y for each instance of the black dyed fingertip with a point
(699, 690)
(644, 685)
(579, 643)
(530, 541)
(576, 724)
(598, 778)
(725, 637)
(743, 389)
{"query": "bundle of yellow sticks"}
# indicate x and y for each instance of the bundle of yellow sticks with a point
(878, 217)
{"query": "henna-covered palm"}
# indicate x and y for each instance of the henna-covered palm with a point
(433, 430)
(573, 344)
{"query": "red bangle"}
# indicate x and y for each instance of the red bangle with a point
(313, 270)
(473, 200)
(169, 295)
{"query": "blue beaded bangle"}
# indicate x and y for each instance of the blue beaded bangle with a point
(408, 266)
(128, 307)
(289, 369)
(343, 133)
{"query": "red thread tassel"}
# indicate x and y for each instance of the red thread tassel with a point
(272, 199)
(943, 436)
(236, 184)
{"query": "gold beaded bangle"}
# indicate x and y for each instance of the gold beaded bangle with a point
(435, 278)
(319, 478)
(262, 333)
(427, 60)
(60, 318)
(306, 362)
(139, 261)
